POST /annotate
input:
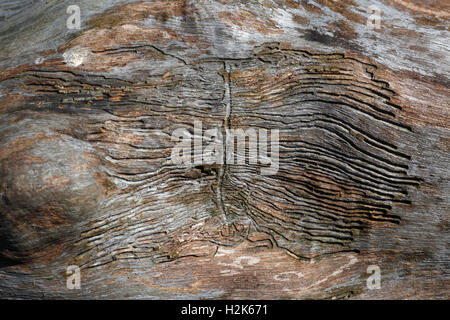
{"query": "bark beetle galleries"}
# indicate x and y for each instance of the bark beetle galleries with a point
(96, 149)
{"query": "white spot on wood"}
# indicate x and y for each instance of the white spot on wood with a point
(241, 262)
(287, 276)
(75, 57)
(229, 272)
(223, 252)
(352, 261)
(39, 60)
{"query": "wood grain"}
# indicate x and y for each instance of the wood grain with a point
(86, 119)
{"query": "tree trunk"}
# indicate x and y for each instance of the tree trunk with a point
(359, 188)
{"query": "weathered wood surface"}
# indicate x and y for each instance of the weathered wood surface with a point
(86, 119)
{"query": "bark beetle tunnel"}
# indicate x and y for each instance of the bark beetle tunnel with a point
(100, 143)
(86, 125)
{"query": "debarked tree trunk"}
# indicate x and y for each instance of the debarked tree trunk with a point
(120, 177)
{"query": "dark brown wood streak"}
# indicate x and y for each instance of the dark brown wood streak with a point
(364, 140)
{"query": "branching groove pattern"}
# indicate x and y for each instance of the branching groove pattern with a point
(107, 186)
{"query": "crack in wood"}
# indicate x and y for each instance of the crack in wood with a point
(226, 126)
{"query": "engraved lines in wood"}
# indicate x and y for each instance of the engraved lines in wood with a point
(340, 170)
